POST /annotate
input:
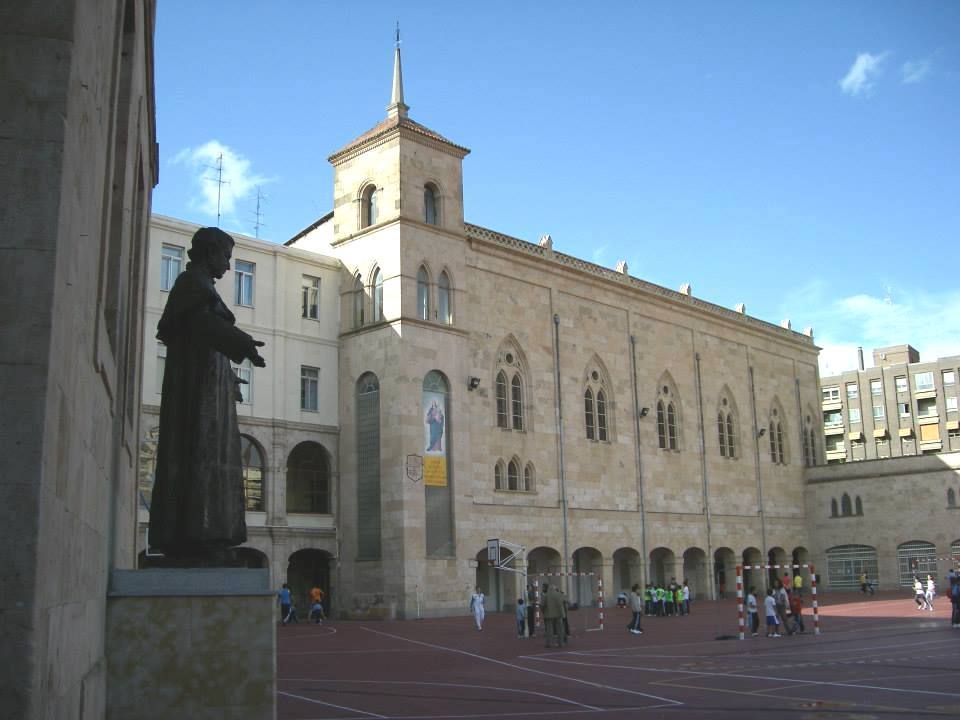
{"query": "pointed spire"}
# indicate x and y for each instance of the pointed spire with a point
(397, 107)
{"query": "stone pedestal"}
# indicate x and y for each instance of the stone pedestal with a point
(191, 643)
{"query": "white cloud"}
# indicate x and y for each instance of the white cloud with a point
(913, 71)
(929, 321)
(239, 180)
(861, 75)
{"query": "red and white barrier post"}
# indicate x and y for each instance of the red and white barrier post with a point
(813, 602)
(600, 599)
(740, 599)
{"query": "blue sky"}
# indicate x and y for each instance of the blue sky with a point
(801, 158)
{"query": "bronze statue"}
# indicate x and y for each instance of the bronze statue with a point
(197, 511)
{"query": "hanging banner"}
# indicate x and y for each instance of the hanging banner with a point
(434, 439)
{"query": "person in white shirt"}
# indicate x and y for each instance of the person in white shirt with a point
(752, 611)
(931, 592)
(476, 607)
(685, 609)
(773, 619)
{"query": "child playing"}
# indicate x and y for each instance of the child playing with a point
(521, 618)
(796, 607)
(752, 611)
(770, 607)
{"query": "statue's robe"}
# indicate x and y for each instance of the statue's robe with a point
(197, 503)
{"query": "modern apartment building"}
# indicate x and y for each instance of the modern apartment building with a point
(899, 407)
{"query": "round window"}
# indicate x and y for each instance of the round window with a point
(595, 375)
(509, 358)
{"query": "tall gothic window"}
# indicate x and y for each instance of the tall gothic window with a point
(774, 458)
(661, 425)
(528, 478)
(601, 416)
(672, 426)
(423, 294)
(731, 436)
(722, 434)
(780, 452)
(357, 302)
(516, 403)
(588, 416)
(368, 467)
(846, 508)
(513, 476)
(368, 206)
(377, 296)
(501, 391)
(444, 309)
(430, 204)
(437, 465)
(498, 476)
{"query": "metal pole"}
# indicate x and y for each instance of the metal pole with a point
(703, 470)
(563, 486)
(756, 460)
(636, 429)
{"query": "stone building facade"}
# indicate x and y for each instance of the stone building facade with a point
(78, 161)
(888, 518)
(495, 388)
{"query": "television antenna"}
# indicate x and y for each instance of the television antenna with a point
(219, 181)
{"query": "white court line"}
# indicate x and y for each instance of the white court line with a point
(455, 685)
(747, 677)
(320, 702)
(349, 652)
(523, 668)
(525, 713)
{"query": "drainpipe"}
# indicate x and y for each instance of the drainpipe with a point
(636, 430)
(703, 470)
(756, 461)
(563, 485)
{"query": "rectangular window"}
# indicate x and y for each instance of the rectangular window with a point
(854, 415)
(923, 381)
(832, 418)
(834, 443)
(901, 381)
(951, 404)
(853, 391)
(161, 365)
(310, 297)
(876, 387)
(244, 371)
(309, 388)
(904, 409)
(949, 378)
(878, 412)
(930, 433)
(243, 279)
(926, 407)
(830, 394)
(171, 263)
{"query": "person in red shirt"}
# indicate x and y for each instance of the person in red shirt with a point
(796, 608)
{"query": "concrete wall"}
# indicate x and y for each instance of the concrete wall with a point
(77, 162)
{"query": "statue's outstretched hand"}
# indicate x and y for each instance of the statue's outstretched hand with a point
(254, 356)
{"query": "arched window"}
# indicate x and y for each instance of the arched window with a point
(308, 479)
(722, 434)
(528, 478)
(498, 476)
(731, 436)
(444, 310)
(501, 390)
(858, 505)
(601, 416)
(951, 497)
(780, 452)
(672, 426)
(251, 460)
(430, 204)
(845, 507)
(813, 448)
(377, 296)
(661, 426)
(588, 414)
(368, 467)
(438, 477)
(516, 403)
(774, 458)
(513, 476)
(368, 206)
(357, 302)
(423, 294)
(833, 507)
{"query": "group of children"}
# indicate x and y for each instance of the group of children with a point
(783, 607)
(288, 611)
(665, 600)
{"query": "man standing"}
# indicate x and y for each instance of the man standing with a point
(531, 609)
(636, 607)
(798, 584)
(477, 608)
(553, 617)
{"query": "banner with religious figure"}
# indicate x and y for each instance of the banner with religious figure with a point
(434, 439)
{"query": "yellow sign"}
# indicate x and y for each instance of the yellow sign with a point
(435, 471)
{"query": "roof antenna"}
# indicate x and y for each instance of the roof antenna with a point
(219, 181)
(258, 223)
